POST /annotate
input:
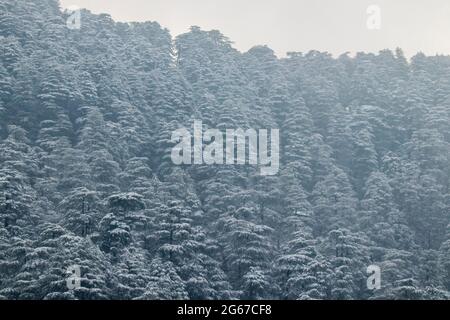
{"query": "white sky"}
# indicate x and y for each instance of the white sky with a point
(335, 26)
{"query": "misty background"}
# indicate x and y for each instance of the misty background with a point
(324, 25)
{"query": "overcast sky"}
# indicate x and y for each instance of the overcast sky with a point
(335, 26)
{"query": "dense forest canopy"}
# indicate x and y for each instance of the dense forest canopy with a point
(86, 178)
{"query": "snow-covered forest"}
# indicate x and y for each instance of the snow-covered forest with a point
(86, 178)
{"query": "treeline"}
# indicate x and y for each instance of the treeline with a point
(86, 178)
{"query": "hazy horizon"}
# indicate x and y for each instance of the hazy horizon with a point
(297, 25)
